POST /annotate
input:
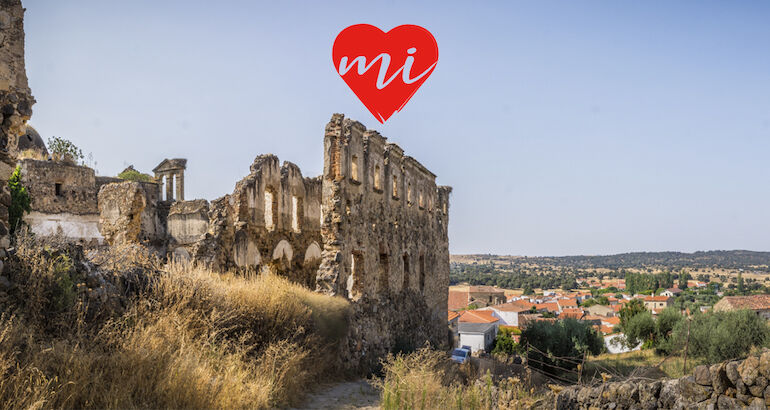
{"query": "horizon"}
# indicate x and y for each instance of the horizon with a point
(568, 129)
(605, 254)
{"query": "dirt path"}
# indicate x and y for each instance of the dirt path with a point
(347, 395)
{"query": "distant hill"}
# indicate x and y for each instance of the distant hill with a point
(737, 259)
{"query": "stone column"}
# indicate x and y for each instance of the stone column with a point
(180, 186)
(169, 187)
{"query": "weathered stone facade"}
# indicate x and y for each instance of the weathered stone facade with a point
(15, 102)
(385, 241)
(730, 385)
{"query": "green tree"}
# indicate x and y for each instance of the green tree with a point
(741, 288)
(64, 149)
(504, 342)
(631, 309)
(556, 342)
(640, 328)
(20, 201)
(720, 336)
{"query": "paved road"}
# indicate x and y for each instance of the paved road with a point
(347, 395)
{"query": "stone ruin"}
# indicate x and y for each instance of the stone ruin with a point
(372, 228)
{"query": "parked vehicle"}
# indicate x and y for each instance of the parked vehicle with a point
(461, 355)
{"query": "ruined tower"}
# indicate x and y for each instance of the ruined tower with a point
(15, 101)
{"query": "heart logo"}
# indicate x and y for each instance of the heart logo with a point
(384, 70)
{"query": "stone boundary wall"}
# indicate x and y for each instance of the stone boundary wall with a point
(729, 385)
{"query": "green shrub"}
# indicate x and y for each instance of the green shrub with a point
(719, 336)
(134, 175)
(20, 201)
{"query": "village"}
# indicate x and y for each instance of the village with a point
(477, 313)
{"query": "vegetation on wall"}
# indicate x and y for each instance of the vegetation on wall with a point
(134, 175)
(64, 150)
(20, 201)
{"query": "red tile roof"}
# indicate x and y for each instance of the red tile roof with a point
(452, 315)
(458, 299)
(657, 298)
(477, 316)
(512, 307)
(551, 307)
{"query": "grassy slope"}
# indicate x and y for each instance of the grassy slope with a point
(190, 339)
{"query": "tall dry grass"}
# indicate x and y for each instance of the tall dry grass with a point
(426, 379)
(191, 338)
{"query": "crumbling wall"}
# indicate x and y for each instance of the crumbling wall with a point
(385, 240)
(128, 213)
(272, 218)
(729, 385)
(15, 102)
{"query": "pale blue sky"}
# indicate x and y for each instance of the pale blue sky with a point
(564, 127)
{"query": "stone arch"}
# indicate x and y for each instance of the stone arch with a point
(312, 254)
(245, 251)
(283, 249)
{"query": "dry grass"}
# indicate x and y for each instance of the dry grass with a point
(191, 339)
(426, 379)
(639, 363)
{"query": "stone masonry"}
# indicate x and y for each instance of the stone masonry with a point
(15, 102)
(730, 385)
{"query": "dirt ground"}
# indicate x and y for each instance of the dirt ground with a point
(357, 394)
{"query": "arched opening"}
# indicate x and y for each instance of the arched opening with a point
(405, 285)
(271, 208)
(409, 194)
(283, 251)
(354, 168)
(377, 182)
(421, 200)
(312, 254)
(296, 213)
(245, 252)
(395, 187)
(384, 272)
(356, 278)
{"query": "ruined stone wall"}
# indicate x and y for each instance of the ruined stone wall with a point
(129, 212)
(730, 385)
(15, 102)
(63, 199)
(385, 241)
(271, 218)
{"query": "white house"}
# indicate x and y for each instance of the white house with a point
(508, 313)
(477, 329)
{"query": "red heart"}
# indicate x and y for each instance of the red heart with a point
(361, 53)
